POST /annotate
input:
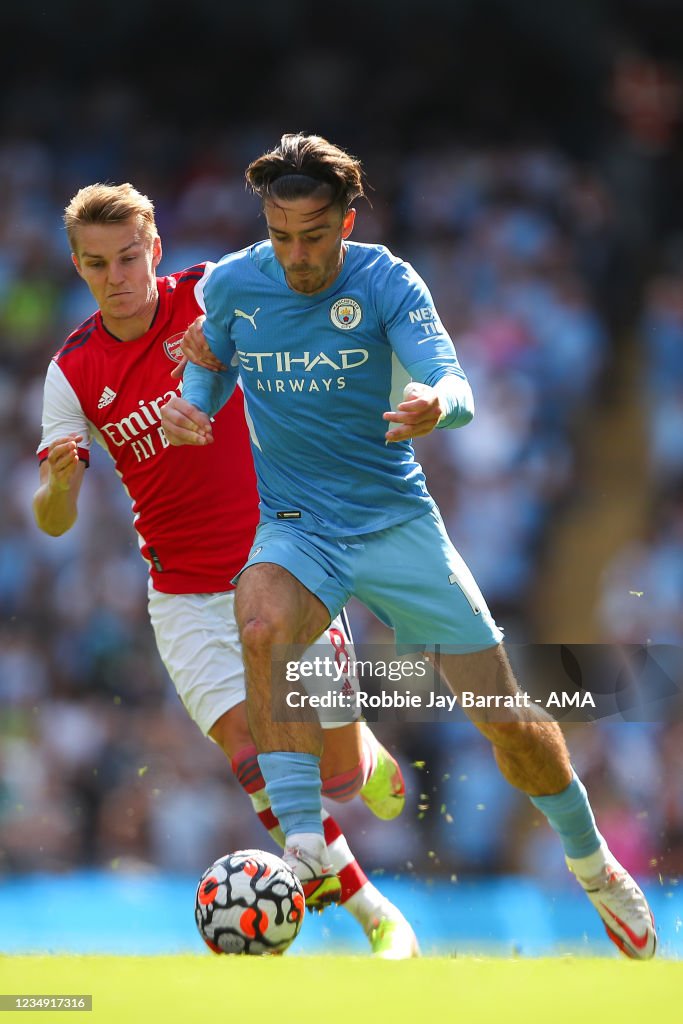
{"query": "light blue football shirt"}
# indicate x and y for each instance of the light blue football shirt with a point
(317, 372)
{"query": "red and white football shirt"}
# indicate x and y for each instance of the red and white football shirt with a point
(195, 508)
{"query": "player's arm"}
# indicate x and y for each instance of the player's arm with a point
(436, 397)
(207, 383)
(196, 349)
(439, 394)
(63, 453)
(184, 423)
(187, 420)
(55, 503)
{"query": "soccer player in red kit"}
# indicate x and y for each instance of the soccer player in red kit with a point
(195, 521)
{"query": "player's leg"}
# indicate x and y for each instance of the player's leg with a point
(434, 602)
(231, 733)
(291, 749)
(197, 640)
(275, 613)
(286, 596)
(354, 762)
(389, 933)
(528, 745)
(532, 755)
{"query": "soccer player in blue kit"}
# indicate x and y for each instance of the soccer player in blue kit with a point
(331, 337)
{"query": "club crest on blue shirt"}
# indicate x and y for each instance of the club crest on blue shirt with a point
(346, 314)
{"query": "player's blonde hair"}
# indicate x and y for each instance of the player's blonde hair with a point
(107, 204)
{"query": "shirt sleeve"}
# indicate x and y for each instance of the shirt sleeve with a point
(422, 344)
(209, 390)
(454, 388)
(62, 414)
(201, 285)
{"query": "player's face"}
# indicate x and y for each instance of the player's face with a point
(308, 241)
(118, 263)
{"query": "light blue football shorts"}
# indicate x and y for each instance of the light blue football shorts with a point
(410, 576)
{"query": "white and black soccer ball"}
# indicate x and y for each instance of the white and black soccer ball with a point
(249, 902)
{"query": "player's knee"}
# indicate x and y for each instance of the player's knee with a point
(261, 633)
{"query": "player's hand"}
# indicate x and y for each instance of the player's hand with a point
(62, 460)
(196, 350)
(184, 423)
(416, 415)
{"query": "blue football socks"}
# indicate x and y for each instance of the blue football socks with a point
(293, 787)
(569, 814)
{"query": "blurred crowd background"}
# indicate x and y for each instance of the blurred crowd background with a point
(528, 160)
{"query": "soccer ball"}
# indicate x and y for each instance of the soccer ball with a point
(249, 902)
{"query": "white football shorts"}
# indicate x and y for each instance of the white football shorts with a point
(198, 641)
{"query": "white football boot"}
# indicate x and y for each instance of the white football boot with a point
(621, 904)
(308, 858)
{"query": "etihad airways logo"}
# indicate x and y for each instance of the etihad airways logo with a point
(289, 362)
(288, 372)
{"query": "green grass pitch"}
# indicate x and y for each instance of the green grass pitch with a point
(349, 990)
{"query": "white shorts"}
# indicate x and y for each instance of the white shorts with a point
(198, 641)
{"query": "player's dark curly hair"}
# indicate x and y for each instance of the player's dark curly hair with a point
(301, 165)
